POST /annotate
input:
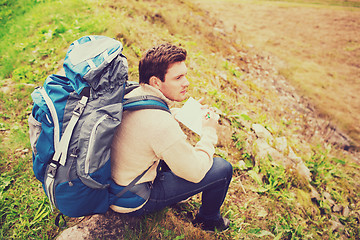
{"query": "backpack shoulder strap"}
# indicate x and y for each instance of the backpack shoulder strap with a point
(61, 154)
(145, 102)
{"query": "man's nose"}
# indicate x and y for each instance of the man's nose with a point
(186, 82)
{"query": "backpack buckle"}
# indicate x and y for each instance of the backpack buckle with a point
(78, 110)
(52, 170)
(144, 97)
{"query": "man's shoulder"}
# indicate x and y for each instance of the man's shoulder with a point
(157, 116)
(155, 123)
(147, 90)
(149, 117)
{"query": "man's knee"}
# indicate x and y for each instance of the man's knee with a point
(224, 166)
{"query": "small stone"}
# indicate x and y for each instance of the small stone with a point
(337, 208)
(241, 165)
(336, 225)
(314, 194)
(328, 199)
(346, 211)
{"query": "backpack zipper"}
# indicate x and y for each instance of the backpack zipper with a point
(73, 155)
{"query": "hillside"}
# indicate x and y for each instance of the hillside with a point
(292, 177)
(318, 45)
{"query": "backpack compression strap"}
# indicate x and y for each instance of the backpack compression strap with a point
(133, 182)
(145, 102)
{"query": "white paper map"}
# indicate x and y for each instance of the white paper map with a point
(191, 115)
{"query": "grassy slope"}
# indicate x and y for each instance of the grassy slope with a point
(37, 42)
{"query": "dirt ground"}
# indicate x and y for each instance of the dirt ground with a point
(319, 46)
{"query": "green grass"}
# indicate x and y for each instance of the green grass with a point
(42, 33)
(265, 201)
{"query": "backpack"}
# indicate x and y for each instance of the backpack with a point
(72, 124)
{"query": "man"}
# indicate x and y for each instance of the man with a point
(153, 136)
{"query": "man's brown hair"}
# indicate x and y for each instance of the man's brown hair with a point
(157, 60)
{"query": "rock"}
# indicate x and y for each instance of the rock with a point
(262, 133)
(283, 154)
(337, 208)
(76, 232)
(303, 171)
(241, 165)
(110, 225)
(263, 150)
(328, 199)
(336, 224)
(314, 194)
(281, 145)
(300, 167)
(346, 211)
(293, 156)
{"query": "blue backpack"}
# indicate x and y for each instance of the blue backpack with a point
(72, 125)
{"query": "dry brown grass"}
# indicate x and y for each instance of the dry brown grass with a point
(319, 45)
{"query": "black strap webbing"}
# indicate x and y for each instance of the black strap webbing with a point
(133, 182)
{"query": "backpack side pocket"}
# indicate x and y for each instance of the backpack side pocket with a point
(34, 132)
(95, 140)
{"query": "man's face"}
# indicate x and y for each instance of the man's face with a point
(175, 85)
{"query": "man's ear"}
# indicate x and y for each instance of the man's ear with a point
(155, 82)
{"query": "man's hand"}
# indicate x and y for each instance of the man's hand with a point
(210, 118)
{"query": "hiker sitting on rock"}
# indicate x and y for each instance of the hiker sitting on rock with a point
(153, 139)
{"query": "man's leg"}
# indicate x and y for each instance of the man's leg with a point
(169, 189)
